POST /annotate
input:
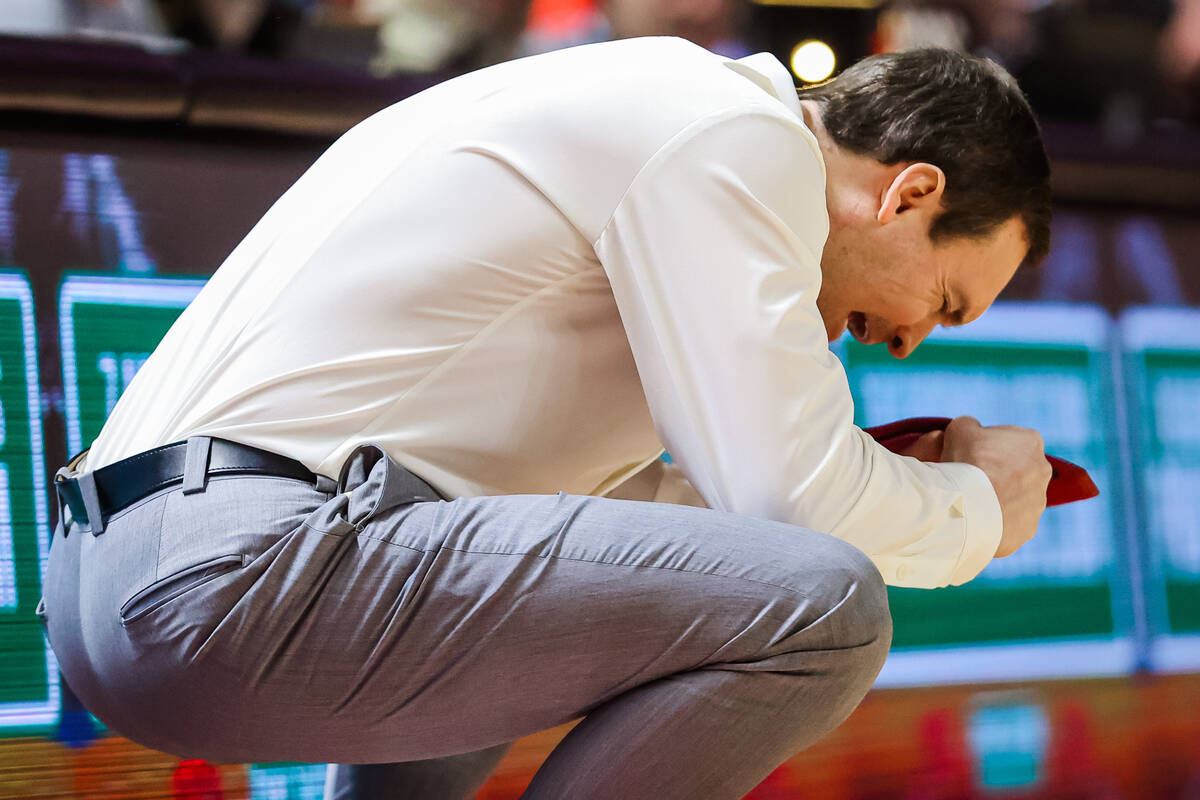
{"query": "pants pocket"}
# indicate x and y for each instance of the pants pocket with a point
(163, 591)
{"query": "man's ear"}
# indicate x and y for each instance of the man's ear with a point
(918, 186)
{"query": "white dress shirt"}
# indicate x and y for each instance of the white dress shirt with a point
(533, 277)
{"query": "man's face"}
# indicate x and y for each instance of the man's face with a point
(891, 285)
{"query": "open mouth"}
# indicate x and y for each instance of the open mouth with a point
(856, 323)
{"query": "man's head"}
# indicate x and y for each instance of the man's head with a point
(938, 188)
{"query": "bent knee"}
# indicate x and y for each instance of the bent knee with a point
(867, 595)
(855, 598)
(869, 617)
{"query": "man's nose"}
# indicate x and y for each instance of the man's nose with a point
(906, 338)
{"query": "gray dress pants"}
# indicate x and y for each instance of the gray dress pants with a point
(265, 619)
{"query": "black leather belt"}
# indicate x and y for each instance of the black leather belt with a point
(123, 483)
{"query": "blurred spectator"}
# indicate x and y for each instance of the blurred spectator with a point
(132, 18)
(1095, 60)
(259, 26)
(445, 35)
(220, 24)
(1004, 30)
(905, 26)
(712, 24)
(1179, 54)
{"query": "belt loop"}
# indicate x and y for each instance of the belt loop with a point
(59, 477)
(326, 484)
(91, 502)
(195, 465)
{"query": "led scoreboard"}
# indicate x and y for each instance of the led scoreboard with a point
(28, 671)
(1046, 367)
(108, 328)
(108, 325)
(1084, 597)
(1162, 362)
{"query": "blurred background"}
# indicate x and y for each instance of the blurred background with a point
(141, 139)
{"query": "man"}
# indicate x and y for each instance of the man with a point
(515, 289)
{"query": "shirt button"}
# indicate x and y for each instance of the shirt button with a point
(903, 572)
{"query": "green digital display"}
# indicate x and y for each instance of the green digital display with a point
(1047, 369)
(1068, 591)
(1173, 381)
(109, 328)
(287, 781)
(28, 679)
(1162, 348)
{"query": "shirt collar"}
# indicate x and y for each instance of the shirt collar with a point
(771, 76)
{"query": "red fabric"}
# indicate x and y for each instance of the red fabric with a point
(1069, 483)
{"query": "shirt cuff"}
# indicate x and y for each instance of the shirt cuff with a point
(981, 513)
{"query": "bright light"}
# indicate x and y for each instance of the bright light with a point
(813, 61)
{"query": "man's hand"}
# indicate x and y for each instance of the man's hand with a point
(1014, 460)
(927, 447)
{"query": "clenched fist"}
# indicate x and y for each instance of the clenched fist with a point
(1014, 459)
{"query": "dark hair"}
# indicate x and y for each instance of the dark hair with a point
(964, 114)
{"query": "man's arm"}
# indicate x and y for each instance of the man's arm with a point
(713, 255)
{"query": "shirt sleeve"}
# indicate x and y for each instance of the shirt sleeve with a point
(713, 255)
